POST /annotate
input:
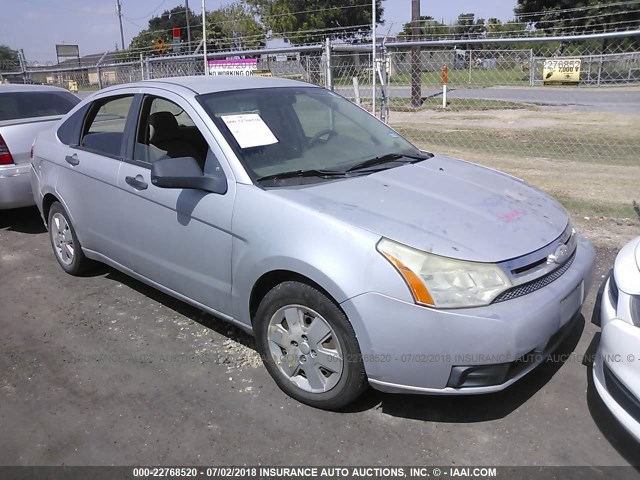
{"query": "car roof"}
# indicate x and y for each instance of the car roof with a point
(18, 87)
(218, 83)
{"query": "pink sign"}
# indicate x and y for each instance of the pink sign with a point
(236, 66)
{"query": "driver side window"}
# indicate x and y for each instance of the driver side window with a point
(166, 130)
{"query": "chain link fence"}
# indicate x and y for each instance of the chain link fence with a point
(563, 113)
(564, 116)
(309, 66)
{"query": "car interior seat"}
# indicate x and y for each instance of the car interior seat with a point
(165, 134)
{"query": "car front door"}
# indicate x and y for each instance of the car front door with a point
(177, 238)
(88, 184)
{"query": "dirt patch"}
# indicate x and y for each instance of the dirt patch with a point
(525, 119)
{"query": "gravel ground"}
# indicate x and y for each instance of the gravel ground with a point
(104, 370)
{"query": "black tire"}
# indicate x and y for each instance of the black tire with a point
(79, 264)
(352, 381)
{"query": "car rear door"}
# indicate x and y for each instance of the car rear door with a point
(88, 182)
(178, 238)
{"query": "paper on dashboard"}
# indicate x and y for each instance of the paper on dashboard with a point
(249, 130)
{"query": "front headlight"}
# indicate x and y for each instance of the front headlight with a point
(444, 282)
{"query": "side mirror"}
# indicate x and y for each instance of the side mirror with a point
(185, 172)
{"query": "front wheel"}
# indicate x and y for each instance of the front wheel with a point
(309, 347)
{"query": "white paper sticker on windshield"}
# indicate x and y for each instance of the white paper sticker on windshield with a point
(249, 130)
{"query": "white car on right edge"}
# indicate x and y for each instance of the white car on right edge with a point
(616, 368)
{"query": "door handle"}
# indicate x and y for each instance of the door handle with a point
(137, 182)
(72, 159)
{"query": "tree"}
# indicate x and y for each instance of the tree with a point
(160, 30)
(429, 29)
(314, 20)
(571, 17)
(234, 27)
(512, 28)
(230, 27)
(8, 59)
(468, 27)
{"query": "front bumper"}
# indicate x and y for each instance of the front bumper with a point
(409, 348)
(616, 373)
(15, 186)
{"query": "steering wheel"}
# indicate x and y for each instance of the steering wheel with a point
(323, 133)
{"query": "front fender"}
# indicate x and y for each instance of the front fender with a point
(272, 233)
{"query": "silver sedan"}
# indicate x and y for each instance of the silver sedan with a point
(353, 257)
(24, 111)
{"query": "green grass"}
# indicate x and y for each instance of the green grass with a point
(456, 105)
(572, 145)
(398, 104)
(600, 208)
(474, 78)
(88, 88)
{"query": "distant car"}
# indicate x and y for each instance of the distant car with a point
(616, 369)
(293, 213)
(24, 111)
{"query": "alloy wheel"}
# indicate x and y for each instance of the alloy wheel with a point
(62, 239)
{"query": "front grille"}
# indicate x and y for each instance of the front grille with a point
(621, 394)
(536, 284)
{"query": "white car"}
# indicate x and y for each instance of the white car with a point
(616, 368)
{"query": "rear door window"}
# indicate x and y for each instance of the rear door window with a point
(17, 105)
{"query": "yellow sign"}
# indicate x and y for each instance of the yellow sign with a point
(160, 46)
(262, 73)
(561, 71)
(73, 86)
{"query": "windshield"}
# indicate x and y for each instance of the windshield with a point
(280, 130)
(15, 105)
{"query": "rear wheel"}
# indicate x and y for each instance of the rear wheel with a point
(64, 241)
(309, 347)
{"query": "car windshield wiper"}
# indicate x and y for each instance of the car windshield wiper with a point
(391, 157)
(304, 173)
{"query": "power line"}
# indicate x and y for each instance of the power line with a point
(297, 12)
(511, 22)
(576, 9)
(152, 11)
(630, 25)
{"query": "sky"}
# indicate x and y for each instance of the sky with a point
(37, 25)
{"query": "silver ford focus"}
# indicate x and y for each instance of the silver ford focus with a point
(353, 257)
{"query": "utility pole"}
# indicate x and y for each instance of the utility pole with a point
(186, 7)
(119, 7)
(373, 57)
(204, 37)
(416, 67)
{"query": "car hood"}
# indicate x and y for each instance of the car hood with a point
(442, 205)
(627, 268)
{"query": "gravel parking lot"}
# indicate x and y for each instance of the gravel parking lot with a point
(104, 370)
